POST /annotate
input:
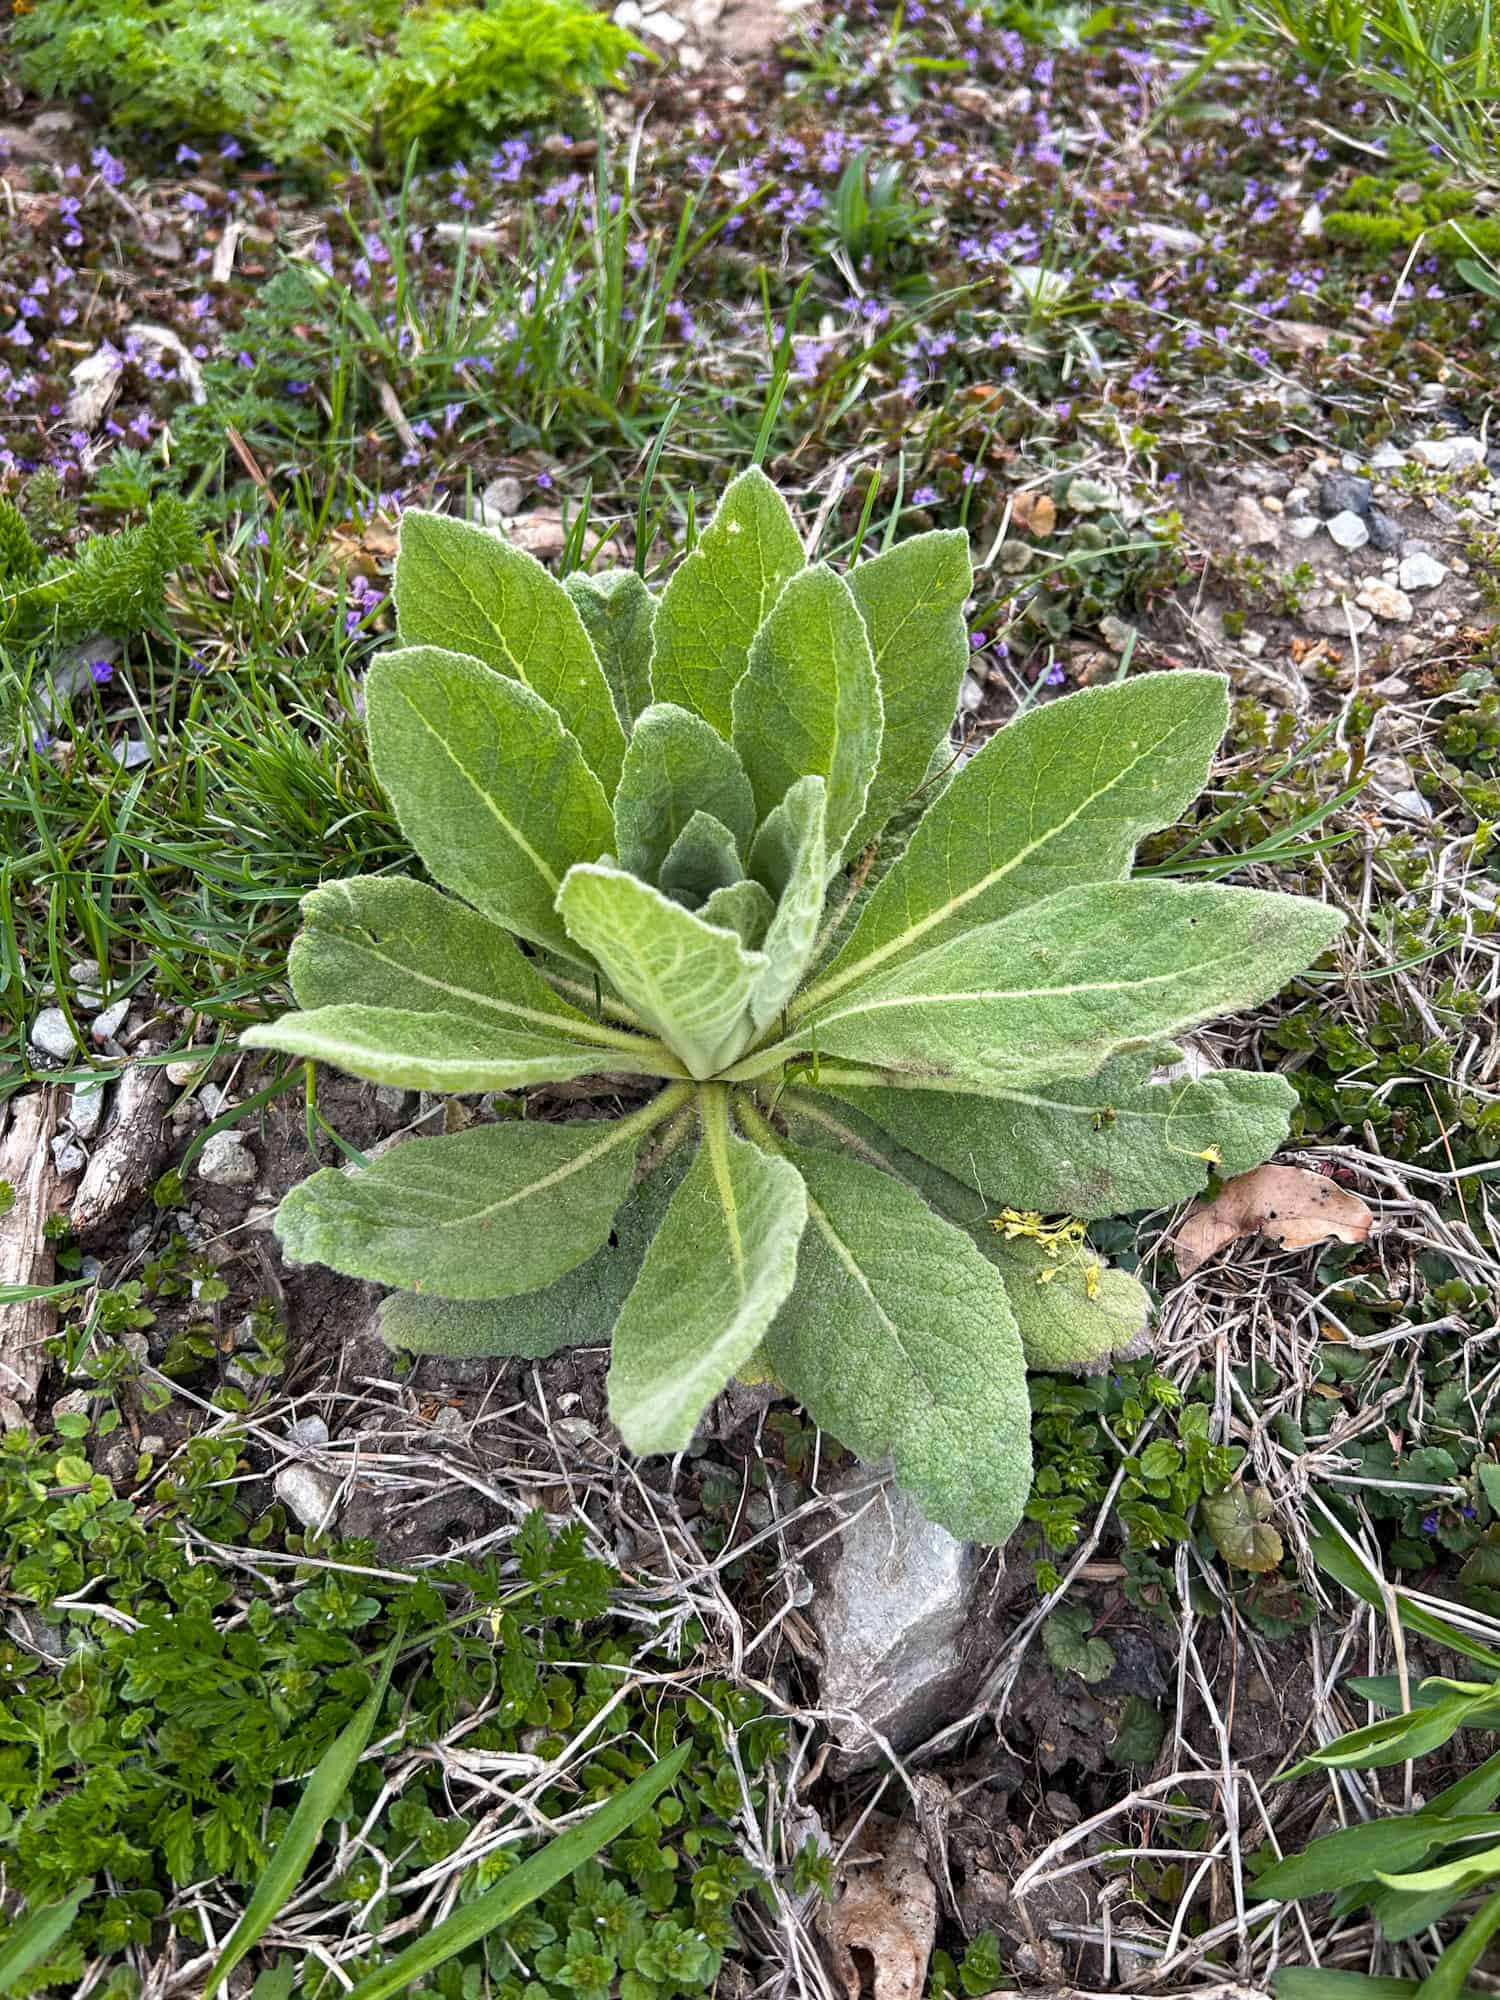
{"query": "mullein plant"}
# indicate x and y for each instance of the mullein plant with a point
(840, 1007)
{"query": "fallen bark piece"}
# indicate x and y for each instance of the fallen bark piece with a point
(125, 1159)
(879, 1930)
(1288, 1205)
(26, 1162)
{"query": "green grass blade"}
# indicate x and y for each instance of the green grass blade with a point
(523, 1885)
(31, 1940)
(320, 1796)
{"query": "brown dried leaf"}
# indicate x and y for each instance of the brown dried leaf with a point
(1288, 1205)
(1034, 513)
(879, 1930)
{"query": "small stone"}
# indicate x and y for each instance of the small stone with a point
(1296, 501)
(499, 501)
(86, 1108)
(51, 1035)
(1450, 454)
(189, 1070)
(1253, 643)
(1385, 536)
(1252, 524)
(1421, 572)
(311, 1495)
(1337, 621)
(67, 1157)
(971, 695)
(226, 1161)
(212, 1099)
(83, 978)
(75, 1403)
(1304, 527)
(663, 27)
(108, 1024)
(1115, 633)
(1348, 530)
(1387, 458)
(1270, 503)
(1342, 493)
(394, 1103)
(450, 1423)
(1385, 601)
(308, 1433)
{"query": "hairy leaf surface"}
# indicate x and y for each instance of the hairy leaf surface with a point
(676, 765)
(618, 613)
(470, 591)
(1056, 989)
(1061, 796)
(722, 1264)
(486, 1213)
(790, 858)
(704, 857)
(809, 702)
(912, 598)
(490, 788)
(436, 1051)
(899, 1340)
(718, 598)
(1094, 1146)
(691, 981)
(744, 908)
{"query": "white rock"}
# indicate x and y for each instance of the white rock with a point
(1304, 527)
(1387, 458)
(1421, 572)
(1312, 221)
(663, 27)
(226, 1161)
(86, 1108)
(1348, 530)
(108, 1024)
(67, 1157)
(628, 15)
(189, 1070)
(1252, 524)
(51, 1035)
(1336, 621)
(308, 1493)
(1452, 454)
(1253, 643)
(75, 1403)
(309, 1433)
(1389, 604)
(499, 501)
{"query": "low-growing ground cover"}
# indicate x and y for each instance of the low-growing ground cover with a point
(1196, 346)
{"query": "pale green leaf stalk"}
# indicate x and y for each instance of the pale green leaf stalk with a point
(821, 1058)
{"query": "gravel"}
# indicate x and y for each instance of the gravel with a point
(1348, 530)
(1421, 572)
(51, 1035)
(226, 1161)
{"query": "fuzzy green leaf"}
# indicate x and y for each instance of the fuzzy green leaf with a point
(577, 1309)
(809, 702)
(911, 598)
(691, 981)
(744, 908)
(618, 613)
(898, 1339)
(704, 857)
(486, 1213)
(1071, 1646)
(1060, 797)
(390, 941)
(489, 787)
(720, 1267)
(1057, 989)
(1072, 1318)
(676, 765)
(790, 858)
(435, 1051)
(469, 591)
(719, 597)
(1095, 1146)
(1240, 1525)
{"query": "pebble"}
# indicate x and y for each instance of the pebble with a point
(83, 977)
(1304, 527)
(51, 1035)
(1348, 530)
(74, 1403)
(1385, 536)
(1388, 458)
(226, 1161)
(1342, 493)
(1388, 603)
(1337, 620)
(1421, 572)
(1451, 454)
(1296, 501)
(67, 1157)
(86, 1108)
(309, 1494)
(108, 1024)
(189, 1070)
(309, 1433)
(500, 500)
(663, 27)
(1253, 525)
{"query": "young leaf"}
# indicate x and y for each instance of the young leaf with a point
(38, 1932)
(689, 980)
(790, 857)
(676, 766)
(809, 703)
(1394, 1739)
(1475, 1865)
(1239, 1522)
(898, 1339)
(1059, 797)
(389, 941)
(743, 908)
(618, 612)
(720, 1267)
(1354, 1854)
(489, 787)
(319, 1800)
(1094, 1146)
(912, 598)
(480, 1214)
(449, 1051)
(704, 857)
(540, 1872)
(718, 599)
(1072, 1646)
(466, 590)
(1057, 989)
(579, 1307)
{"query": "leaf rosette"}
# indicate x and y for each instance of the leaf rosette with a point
(700, 850)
